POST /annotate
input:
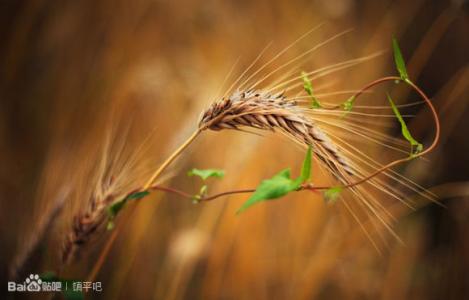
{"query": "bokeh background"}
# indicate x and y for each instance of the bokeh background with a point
(68, 69)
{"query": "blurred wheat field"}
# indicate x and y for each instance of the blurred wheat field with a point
(76, 76)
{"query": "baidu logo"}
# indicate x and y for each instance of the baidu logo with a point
(32, 284)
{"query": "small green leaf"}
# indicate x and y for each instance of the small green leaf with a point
(138, 195)
(203, 190)
(67, 286)
(110, 224)
(117, 206)
(202, 193)
(307, 84)
(416, 147)
(204, 174)
(332, 194)
(273, 188)
(348, 104)
(306, 168)
(308, 87)
(399, 60)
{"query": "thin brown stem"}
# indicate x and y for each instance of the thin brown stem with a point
(365, 89)
(102, 257)
(213, 197)
(202, 199)
(171, 190)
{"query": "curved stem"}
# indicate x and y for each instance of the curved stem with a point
(399, 161)
(213, 197)
(203, 199)
(366, 88)
(171, 190)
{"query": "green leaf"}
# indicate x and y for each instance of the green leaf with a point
(306, 168)
(138, 195)
(67, 286)
(202, 193)
(399, 60)
(110, 224)
(117, 206)
(331, 195)
(307, 85)
(273, 188)
(204, 174)
(280, 185)
(416, 147)
(348, 104)
(203, 190)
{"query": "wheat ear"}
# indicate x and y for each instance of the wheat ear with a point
(85, 225)
(274, 112)
(90, 222)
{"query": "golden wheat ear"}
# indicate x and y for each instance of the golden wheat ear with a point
(260, 110)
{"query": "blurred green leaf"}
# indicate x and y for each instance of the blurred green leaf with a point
(307, 85)
(67, 286)
(416, 147)
(207, 173)
(331, 195)
(399, 60)
(348, 104)
(117, 206)
(110, 224)
(138, 195)
(306, 168)
(202, 193)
